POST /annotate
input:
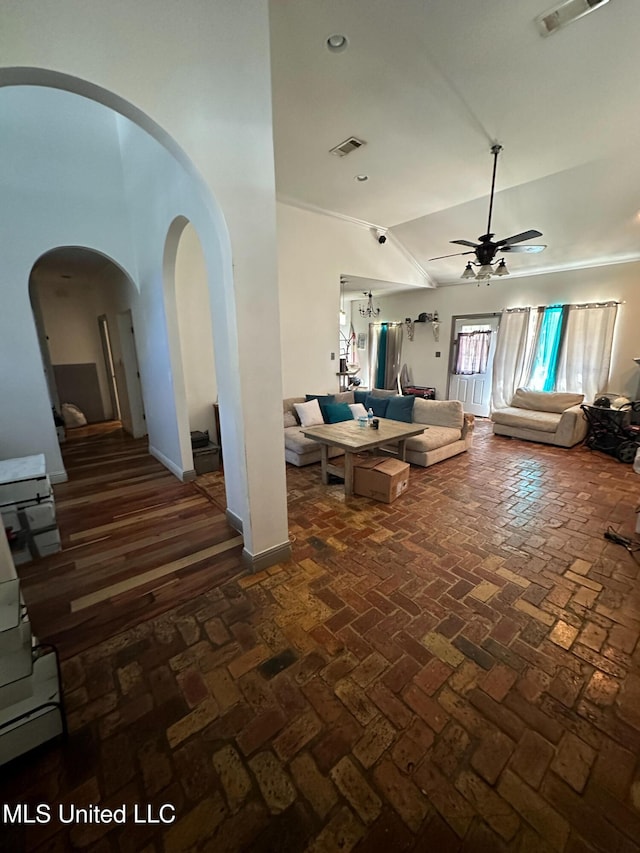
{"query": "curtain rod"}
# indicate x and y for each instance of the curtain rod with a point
(568, 305)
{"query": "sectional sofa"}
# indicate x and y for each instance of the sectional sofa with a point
(448, 430)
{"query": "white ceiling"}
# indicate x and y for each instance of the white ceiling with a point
(430, 85)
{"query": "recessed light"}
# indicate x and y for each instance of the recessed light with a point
(361, 178)
(337, 42)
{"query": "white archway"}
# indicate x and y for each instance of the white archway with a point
(157, 360)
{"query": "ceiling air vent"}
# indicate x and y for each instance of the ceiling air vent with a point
(565, 14)
(346, 147)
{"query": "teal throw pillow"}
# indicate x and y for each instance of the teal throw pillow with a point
(360, 396)
(335, 413)
(377, 404)
(401, 408)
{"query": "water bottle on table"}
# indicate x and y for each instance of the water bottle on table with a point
(370, 416)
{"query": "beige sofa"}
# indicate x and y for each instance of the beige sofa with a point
(448, 431)
(550, 417)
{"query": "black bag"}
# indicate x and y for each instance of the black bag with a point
(199, 439)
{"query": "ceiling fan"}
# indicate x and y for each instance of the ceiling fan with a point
(486, 250)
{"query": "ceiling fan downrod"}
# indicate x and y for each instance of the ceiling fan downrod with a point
(495, 150)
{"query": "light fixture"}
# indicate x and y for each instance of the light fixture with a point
(368, 310)
(361, 178)
(485, 271)
(468, 271)
(337, 42)
(343, 314)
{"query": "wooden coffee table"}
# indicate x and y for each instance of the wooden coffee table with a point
(352, 438)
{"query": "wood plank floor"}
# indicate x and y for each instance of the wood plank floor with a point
(135, 542)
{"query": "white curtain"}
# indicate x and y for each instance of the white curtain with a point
(585, 358)
(514, 352)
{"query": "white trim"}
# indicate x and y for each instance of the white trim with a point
(168, 463)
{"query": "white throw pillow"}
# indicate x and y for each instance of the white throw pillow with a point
(309, 413)
(358, 410)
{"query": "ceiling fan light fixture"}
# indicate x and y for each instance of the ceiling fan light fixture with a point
(485, 271)
(502, 268)
(468, 271)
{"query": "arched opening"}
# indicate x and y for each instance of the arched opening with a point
(81, 303)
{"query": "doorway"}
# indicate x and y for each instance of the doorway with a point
(473, 346)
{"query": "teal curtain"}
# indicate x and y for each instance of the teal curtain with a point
(543, 371)
(382, 358)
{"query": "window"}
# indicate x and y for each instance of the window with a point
(472, 354)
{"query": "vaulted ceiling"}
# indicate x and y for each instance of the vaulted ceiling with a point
(430, 85)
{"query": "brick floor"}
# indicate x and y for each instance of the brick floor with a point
(456, 671)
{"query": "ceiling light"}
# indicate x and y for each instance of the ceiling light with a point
(566, 13)
(337, 43)
(468, 271)
(502, 268)
(369, 310)
(361, 178)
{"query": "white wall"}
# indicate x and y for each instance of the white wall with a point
(314, 250)
(619, 282)
(196, 339)
(197, 77)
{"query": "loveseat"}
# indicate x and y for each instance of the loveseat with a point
(551, 417)
(448, 430)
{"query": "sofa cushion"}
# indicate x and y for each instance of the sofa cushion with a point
(545, 401)
(299, 443)
(445, 413)
(321, 398)
(335, 413)
(360, 396)
(400, 408)
(512, 416)
(309, 413)
(288, 406)
(358, 410)
(377, 404)
(344, 397)
(289, 419)
(382, 392)
(433, 438)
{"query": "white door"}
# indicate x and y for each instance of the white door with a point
(473, 390)
(128, 375)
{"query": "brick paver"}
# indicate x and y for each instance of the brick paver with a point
(455, 671)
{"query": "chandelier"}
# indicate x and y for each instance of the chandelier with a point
(485, 271)
(368, 310)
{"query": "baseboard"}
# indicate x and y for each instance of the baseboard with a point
(168, 463)
(59, 477)
(258, 562)
(234, 520)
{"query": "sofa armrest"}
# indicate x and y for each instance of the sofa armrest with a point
(468, 424)
(572, 427)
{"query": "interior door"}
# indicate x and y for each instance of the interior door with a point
(473, 390)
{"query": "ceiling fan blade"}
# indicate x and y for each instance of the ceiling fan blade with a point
(518, 238)
(530, 249)
(455, 255)
(465, 243)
